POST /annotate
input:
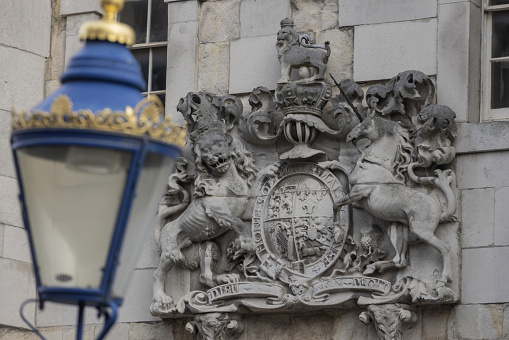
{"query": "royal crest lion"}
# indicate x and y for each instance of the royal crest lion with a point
(296, 52)
(224, 175)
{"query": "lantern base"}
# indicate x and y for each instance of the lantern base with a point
(77, 296)
(110, 316)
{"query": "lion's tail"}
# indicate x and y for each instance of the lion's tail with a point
(327, 48)
(163, 215)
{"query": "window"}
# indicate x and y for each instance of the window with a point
(149, 19)
(496, 60)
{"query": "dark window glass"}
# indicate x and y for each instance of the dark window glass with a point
(158, 68)
(163, 98)
(499, 85)
(134, 14)
(499, 2)
(500, 34)
(159, 21)
(143, 57)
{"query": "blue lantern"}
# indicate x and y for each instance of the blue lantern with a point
(92, 161)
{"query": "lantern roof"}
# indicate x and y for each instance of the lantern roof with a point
(101, 89)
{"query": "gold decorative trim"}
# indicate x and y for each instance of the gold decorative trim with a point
(149, 121)
(107, 28)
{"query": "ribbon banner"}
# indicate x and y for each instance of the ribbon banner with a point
(245, 289)
(337, 284)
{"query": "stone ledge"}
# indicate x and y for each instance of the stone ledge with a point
(362, 12)
(482, 137)
(70, 7)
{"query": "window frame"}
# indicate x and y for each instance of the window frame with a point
(150, 45)
(489, 114)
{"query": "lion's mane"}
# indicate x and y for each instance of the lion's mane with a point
(205, 182)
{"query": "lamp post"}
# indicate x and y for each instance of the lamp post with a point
(90, 159)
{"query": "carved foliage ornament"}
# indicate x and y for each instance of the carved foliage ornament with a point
(312, 200)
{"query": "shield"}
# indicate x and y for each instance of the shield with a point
(297, 233)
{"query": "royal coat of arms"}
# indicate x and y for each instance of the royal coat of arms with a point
(321, 196)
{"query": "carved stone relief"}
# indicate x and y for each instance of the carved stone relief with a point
(312, 200)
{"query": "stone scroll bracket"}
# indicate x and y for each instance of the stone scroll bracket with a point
(389, 319)
(216, 326)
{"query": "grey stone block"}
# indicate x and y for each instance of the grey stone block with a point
(477, 217)
(436, 323)
(181, 73)
(7, 163)
(478, 322)
(262, 17)
(118, 331)
(149, 256)
(347, 326)
(340, 63)
(69, 7)
(482, 170)
(362, 12)
(10, 211)
(313, 16)
(26, 25)
(72, 46)
(269, 327)
(2, 231)
(506, 322)
(485, 272)
(382, 51)
(21, 87)
(475, 2)
(16, 245)
(17, 285)
(481, 137)
(138, 298)
(459, 58)
(501, 233)
(12, 333)
(182, 11)
(69, 332)
(311, 326)
(52, 333)
(213, 68)
(157, 331)
(74, 22)
(253, 63)
(219, 21)
(54, 315)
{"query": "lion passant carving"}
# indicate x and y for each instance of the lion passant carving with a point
(299, 52)
(224, 175)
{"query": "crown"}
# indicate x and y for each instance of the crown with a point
(304, 98)
(287, 22)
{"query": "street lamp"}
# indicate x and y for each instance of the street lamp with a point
(89, 160)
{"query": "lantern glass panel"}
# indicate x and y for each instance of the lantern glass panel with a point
(72, 198)
(149, 190)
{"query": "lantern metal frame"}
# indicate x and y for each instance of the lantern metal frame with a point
(104, 82)
(139, 147)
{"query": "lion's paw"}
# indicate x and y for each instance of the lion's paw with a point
(161, 304)
(226, 278)
(240, 246)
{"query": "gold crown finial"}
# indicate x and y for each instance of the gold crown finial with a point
(107, 28)
(111, 7)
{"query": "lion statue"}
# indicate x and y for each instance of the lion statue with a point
(225, 173)
(300, 53)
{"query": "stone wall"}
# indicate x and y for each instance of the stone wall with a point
(228, 47)
(25, 34)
